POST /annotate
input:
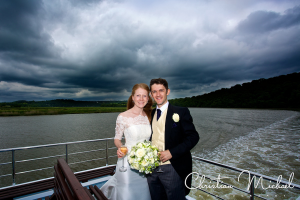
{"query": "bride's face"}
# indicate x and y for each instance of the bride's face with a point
(140, 97)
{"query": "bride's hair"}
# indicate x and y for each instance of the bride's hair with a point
(148, 107)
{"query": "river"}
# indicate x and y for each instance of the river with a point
(263, 141)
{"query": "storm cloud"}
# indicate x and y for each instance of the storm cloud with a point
(97, 50)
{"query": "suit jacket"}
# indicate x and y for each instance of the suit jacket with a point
(180, 138)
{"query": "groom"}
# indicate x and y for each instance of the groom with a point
(174, 133)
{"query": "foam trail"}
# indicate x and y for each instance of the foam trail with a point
(272, 150)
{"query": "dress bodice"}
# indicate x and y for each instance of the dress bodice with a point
(135, 129)
(130, 184)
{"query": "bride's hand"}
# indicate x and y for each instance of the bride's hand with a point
(119, 153)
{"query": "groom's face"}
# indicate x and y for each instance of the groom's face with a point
(159, 93)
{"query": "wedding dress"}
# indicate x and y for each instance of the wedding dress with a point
(129, 185)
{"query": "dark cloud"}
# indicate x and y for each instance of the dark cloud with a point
(264, 21)
(97, 50)
(24, 45)
(21, 29)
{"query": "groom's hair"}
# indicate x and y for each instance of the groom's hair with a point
(160, 81)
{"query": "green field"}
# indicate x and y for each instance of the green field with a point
(25, 111)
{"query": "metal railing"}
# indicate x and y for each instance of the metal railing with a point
(14, 150)
(13, 162)
(252, 175)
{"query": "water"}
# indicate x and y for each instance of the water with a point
(48, 129)
(263, 141)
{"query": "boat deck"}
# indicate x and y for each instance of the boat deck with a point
(47, 193)
(43, 188)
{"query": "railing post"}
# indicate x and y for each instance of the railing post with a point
(13, 168)
(252, 188)
(106, 152)
(66, 153)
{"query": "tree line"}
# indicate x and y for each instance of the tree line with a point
(64, 103)
(277, 92)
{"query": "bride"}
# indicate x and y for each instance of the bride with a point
(135, 125)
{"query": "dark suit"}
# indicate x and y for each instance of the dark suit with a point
(180, 138)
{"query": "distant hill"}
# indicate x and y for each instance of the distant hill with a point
(65, 103)
(277, 92)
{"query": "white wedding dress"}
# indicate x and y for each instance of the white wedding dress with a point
(129, 185)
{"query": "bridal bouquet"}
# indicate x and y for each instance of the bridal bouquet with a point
(143, 157)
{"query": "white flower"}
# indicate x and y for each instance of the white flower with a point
(150, 155)
(132, 153)
(144, 163)
(130, 160)
(140, 145)
(136, 166)
(151, 160)
(143, 157)
(140, 153)
(175, 117)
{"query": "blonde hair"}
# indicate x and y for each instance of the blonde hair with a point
(148, 107)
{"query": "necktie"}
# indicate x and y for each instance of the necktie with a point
(158, 113)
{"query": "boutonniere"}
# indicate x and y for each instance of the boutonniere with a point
(175, 117)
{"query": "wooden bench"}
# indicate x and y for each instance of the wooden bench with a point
(97, 193)
(67, 186)
(37, 186)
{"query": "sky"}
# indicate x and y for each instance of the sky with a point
(97, 50)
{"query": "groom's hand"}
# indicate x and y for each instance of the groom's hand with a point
(165, 155)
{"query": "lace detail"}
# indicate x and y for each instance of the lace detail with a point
(129, 184)
(124, 123)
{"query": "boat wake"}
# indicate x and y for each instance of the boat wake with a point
(272, 150)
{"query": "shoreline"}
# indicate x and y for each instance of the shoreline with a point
(35, 111)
